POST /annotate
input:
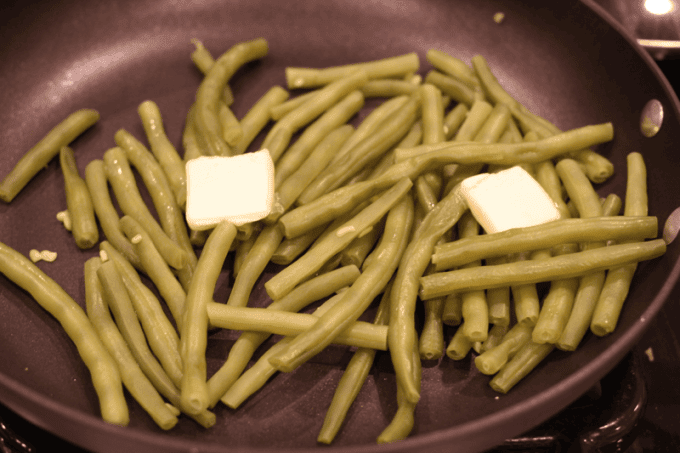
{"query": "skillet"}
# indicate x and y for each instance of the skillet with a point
(568, 62)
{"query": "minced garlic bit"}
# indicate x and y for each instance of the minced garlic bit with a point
(343, 231)
(498, 17)
(136, 239)
(65, 218)
(650, 354)
(103, 255)
(44, 255)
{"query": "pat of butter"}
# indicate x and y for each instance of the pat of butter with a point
(508, 199)
(238, 189)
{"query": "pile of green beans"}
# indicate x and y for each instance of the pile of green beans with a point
(368, 215)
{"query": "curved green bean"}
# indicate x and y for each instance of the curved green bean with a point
(78, 202)
(193, 340)
(525, 360)
(208, 93)
(459, 91)
(257, 117)
(493, 359)
(106, 378)
(36, 158)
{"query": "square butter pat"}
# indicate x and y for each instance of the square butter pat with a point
(508, 199)
(239, 189)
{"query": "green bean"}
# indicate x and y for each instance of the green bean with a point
(291, 248)
(52, 298)
(477, 116)
(333, 118)
(402, 422)
(496, 123)
(36, 158)
(460, 345)
(358, 333)
(312, 261)
(452, 313)
(155, 267)
(459, 91)
(258, 116)
(453, 120)
(557, 305)
(311, 109)
(357, 252)
(95, 177)
(617, 284)
(432, 113)
(431, 341)
(512, 153)
(547, 177)
(244, 247)
(208, 93)
(376, 69)
(231, 126)
(359, 296)
(611, 205)
(78, 202)
(169, 212)
(160, 333)
(453, 66)
(124, 186)
(474, 304)
(294, 185)
(493, 359)
(279, 111)
(525, 360)
(165, 152)
(498, 299)
(243, 349)
(131, 374)
(193, 341)
(388, 88)
(525, 297)
(264, 247)
(496, 334)
(367, 151)
(204, 60)
(456, 253)
(558, 267)
(414, 261)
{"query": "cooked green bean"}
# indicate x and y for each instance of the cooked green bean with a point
(106, 378)
(36, 158)
(359, 295)
(155, 267)
(459, 346)
(496, 334)
(291, 248)
(376, 69)
(452, 121)
(133, 378)
(254, 264)
(170, 214)
(312, 261)
(525, 360)
(512, 153)
(402, 335)
(193, 341)
(516, 240)
(453, 66)
(547, 177)
(208, 93)
(432, 113)
(365, 152)
(493, 359)
(165, 152)
(358, 333)
(525, 297)
(244, 247)
(313, 134)
(617, 283)
(95, 177)
(204, 60)
(475, 308)
(459, 91)
(476, 117)
(119, 175)
(160, 332)
(533, 271)
(258, 116)
(299, 117)
(452, 314)
(279, 111)
(496, 123)
(431, 341)
(243, 349)
(78, 202)
(357, 252)
(190, 142)
(388, 88)
(498, 299)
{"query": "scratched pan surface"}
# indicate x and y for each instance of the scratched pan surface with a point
(563, 61)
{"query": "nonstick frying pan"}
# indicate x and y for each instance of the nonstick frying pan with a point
(566, 61)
